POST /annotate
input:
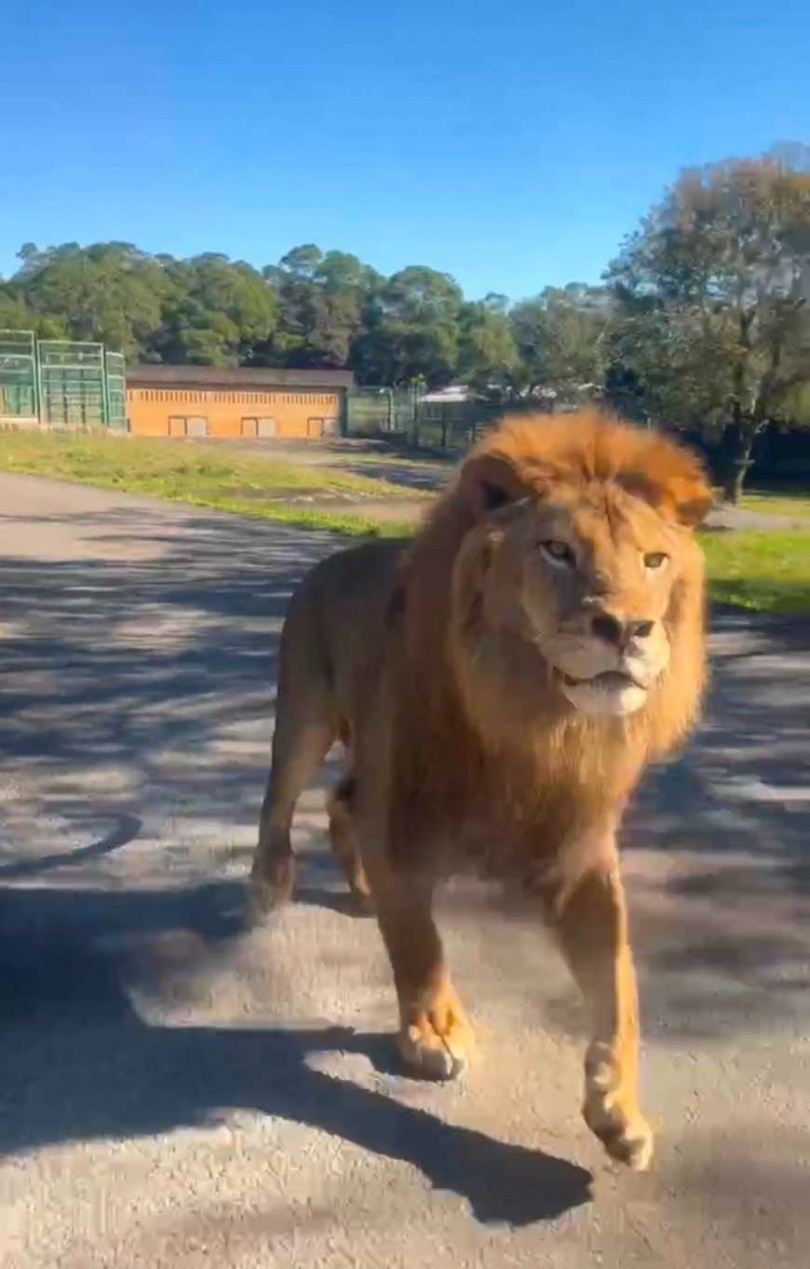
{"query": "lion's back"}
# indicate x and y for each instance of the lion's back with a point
(337, 620)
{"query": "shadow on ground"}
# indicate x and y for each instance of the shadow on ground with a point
(128, 676)
(138, 708)
(138, 701)
(84, 1065)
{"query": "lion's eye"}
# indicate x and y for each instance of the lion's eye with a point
(558, 552)
(655, 559)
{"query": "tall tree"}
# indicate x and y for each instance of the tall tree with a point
(110, 292)
(320, 299)
(488, 356)
(713, 290)
(561, 338)
(411, 330)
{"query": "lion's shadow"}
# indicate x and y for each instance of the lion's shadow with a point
(79, 1063)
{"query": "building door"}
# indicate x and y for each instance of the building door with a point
(191, 425)
(321, 427)
(259, 427)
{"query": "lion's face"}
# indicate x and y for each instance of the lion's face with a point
(585, 577)
(558, 579)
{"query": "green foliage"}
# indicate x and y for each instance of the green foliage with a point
(703, 322)
(488, 355)
(109, 292)
(561, 337)
(713, 329)
(411, 329)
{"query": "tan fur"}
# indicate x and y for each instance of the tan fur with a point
(449, 668)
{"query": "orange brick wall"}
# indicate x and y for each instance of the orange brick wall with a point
(163, 411)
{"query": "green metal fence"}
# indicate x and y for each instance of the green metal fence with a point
(60, 382)
(116, 390)
(379, 411)
(71, 383)
(18, 375)
(403, 415)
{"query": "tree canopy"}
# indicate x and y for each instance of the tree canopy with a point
(702, 321)
(711, 329)
(310, 309)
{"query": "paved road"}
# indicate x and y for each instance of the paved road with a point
(176, 1092)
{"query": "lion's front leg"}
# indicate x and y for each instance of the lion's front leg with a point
(435, 1037)
(592, 923)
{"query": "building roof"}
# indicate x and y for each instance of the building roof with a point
(162, 376)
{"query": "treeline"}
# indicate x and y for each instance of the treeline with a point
(312, 309)
(701, 320)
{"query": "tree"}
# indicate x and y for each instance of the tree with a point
(488, 356)
(15, 315)
(320, 300)
(213, 312)
(109, 292)
(411, 329)
(713, 291)
(302, 261)
(561, 338)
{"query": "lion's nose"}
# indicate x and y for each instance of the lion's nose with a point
(613, 630)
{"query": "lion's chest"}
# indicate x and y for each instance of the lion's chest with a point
(495, 836)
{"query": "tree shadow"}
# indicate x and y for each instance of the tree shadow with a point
(84, 1065)
(125, 831)
(134, 673)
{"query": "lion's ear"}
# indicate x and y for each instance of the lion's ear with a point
(489, 482)
(673, 482)
(690, 499)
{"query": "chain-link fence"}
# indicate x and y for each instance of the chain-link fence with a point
(406, 416)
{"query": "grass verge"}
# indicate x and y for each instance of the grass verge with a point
(782, 504)
(257, 486)
(763, 571)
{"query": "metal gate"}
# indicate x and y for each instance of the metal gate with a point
(61, 382)
(18, 375)
(71, 383)
(116, 385)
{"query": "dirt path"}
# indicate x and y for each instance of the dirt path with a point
(174, 1092)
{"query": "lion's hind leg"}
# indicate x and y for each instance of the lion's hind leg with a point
(343, 837)
(306, 728)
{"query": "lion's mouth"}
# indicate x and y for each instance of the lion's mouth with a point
(607, 681)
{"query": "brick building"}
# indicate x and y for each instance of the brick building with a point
(236, 402)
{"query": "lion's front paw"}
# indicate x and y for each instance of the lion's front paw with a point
(436, 1043)
(610, 1111)
(271, 884)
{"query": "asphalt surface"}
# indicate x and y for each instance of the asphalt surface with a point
(175, 1091)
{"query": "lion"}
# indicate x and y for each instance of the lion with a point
(499, 684)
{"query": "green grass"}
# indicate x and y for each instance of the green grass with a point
(249, 485)
(795, 505)
(764, 571)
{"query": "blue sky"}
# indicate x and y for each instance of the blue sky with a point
(512, 144)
